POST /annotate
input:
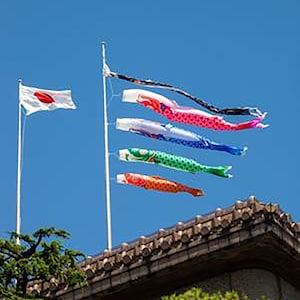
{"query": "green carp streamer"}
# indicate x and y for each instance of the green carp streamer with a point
(171, 161)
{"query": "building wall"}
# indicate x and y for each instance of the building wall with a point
(290, 292)
(254, 283)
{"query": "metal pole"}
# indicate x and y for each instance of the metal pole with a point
(106, 153)
(19, 174)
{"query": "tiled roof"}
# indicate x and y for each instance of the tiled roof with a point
(196, 238)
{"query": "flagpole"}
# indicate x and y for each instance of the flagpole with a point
(106, 153)
(18, 210)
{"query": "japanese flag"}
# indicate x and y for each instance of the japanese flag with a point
(34, 99)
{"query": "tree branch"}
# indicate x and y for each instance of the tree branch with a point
(33, 248)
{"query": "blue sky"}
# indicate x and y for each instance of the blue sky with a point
(231, 53)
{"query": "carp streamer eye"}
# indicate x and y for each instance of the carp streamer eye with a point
(143, 152)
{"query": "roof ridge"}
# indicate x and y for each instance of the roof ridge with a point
(250, 202)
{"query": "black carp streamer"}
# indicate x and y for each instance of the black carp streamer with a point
(253, 111)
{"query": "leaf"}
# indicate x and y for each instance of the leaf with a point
(40, 256)
(199, 294)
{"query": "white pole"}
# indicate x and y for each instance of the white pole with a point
(106, 153)
(18, 212)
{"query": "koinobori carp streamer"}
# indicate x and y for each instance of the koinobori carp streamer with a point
(172, 111)
(169, 133)
(254, 111)
(157, 183)
(171, 161)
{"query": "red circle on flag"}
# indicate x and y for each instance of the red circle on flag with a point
(44, 97)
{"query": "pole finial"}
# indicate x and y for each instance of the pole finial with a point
(20, 80)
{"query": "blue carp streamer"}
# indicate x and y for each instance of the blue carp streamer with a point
(169, 133)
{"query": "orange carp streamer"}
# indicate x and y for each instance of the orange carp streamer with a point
(157, 183)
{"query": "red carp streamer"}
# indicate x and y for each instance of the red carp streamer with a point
(172, 111)
(157, 183)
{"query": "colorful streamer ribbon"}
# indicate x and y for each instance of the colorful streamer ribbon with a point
(172, 111)
(157, 183)
(171, 161)
(168, 133)
(254, 111)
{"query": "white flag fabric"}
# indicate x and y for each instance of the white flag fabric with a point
(34, 99)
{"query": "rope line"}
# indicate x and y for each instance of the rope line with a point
(23, 138)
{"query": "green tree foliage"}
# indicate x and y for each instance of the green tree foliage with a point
(39, 256)
(198, 294)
